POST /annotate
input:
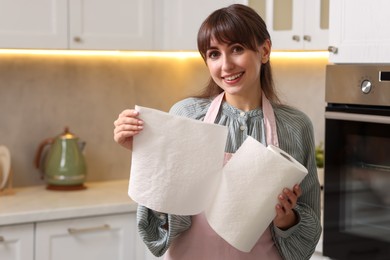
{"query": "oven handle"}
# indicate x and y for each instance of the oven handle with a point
(357, 117)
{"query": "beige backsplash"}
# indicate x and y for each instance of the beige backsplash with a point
(41, 94)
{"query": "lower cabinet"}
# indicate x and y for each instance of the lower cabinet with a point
(17, 242)
(91, 238)
(96, 238)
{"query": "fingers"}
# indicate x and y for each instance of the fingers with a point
(288, 198)
(285, 216)
(126, 126)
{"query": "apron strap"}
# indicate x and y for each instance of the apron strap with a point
(213, 110)
(269, 117)
(269, 122)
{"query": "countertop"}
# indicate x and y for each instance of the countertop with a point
(35, 204)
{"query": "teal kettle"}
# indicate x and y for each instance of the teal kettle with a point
(61, 162)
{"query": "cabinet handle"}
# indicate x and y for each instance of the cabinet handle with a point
(333, 49)
(2, 239)
(296, 38)
(89, 229)
(307, 38)
(77, 39)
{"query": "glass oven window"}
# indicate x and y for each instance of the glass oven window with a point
(367, 183)
(357, 183)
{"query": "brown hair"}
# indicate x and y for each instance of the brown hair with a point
(236, 24)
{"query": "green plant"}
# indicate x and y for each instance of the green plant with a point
(320, 155)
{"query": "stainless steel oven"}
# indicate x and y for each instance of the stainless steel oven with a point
(357, 162)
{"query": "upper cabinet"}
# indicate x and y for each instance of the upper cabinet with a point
(110, 24)
(179, 21)
(33, 24)
(76, 24)
(104, 24)
(295, 24)
(359, 31)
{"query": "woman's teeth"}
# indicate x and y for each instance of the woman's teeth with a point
(230, 78)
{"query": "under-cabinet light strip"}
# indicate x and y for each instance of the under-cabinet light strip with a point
(163, 54)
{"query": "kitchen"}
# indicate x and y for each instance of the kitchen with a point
(46, 91)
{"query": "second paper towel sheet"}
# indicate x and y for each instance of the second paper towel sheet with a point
(177, 168)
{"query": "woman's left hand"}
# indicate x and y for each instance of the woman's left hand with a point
(285, 215)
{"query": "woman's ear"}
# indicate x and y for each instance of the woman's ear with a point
(265, 50)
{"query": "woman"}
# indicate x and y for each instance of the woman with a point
(235, 45)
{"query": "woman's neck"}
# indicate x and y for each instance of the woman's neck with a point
(244, 103)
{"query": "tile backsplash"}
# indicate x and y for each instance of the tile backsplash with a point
(41, 94)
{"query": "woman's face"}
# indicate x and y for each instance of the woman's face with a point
(235, 68)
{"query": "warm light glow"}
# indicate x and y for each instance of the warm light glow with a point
(161, 54)
(300, 54)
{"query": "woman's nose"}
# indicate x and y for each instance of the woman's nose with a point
(227, 63)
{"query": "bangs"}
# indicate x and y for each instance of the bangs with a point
(225, 28)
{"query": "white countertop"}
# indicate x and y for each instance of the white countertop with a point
(34, 204)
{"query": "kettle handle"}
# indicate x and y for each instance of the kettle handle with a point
(38, 154)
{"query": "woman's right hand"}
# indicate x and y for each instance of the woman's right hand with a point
(127, 125)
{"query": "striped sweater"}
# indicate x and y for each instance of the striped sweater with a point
(295, 134)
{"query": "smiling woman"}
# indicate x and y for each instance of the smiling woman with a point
(236, 47)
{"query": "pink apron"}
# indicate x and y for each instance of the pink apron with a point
(200, 242)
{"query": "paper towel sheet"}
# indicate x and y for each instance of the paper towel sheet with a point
(176, 162)
(244, 204)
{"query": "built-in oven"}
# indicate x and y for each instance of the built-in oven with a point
(357, 162)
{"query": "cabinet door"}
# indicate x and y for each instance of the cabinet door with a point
(178, 26)
(297, 24)
(96, 238)
(111, 24)
(285, 20)
(33, 24)
(316, 25)
(17, 242)
(359, 31)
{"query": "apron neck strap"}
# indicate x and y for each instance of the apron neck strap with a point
(268, 112)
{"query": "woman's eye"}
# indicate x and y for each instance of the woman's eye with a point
(213, 54)
(238, 48)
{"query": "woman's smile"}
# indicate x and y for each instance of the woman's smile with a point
(233, 78)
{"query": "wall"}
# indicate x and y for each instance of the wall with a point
(41, 94)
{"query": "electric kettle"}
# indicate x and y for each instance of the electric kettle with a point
(62, 162)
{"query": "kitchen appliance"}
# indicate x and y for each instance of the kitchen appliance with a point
(62, 162)
(357, 162)
(5, 170)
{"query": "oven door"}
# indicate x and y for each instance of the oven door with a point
(357, 184)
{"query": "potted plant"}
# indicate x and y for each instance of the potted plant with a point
(320, 162)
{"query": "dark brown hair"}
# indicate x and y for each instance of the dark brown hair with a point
(236, 24)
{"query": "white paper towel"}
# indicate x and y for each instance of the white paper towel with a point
(244, 204)
(176, 162)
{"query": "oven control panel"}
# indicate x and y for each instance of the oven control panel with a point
(358, 84)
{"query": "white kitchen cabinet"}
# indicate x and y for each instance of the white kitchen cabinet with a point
(295, 24)
(179, 22)
(33, 24)
(94, 238)
(111, 24)
(76, 24)
(17, 242)
(359, 31)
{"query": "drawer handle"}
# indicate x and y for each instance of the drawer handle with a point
(77, 39)
(296, 38)
(333, 49)
(89, 229)
(2, 239)
(307, 38)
